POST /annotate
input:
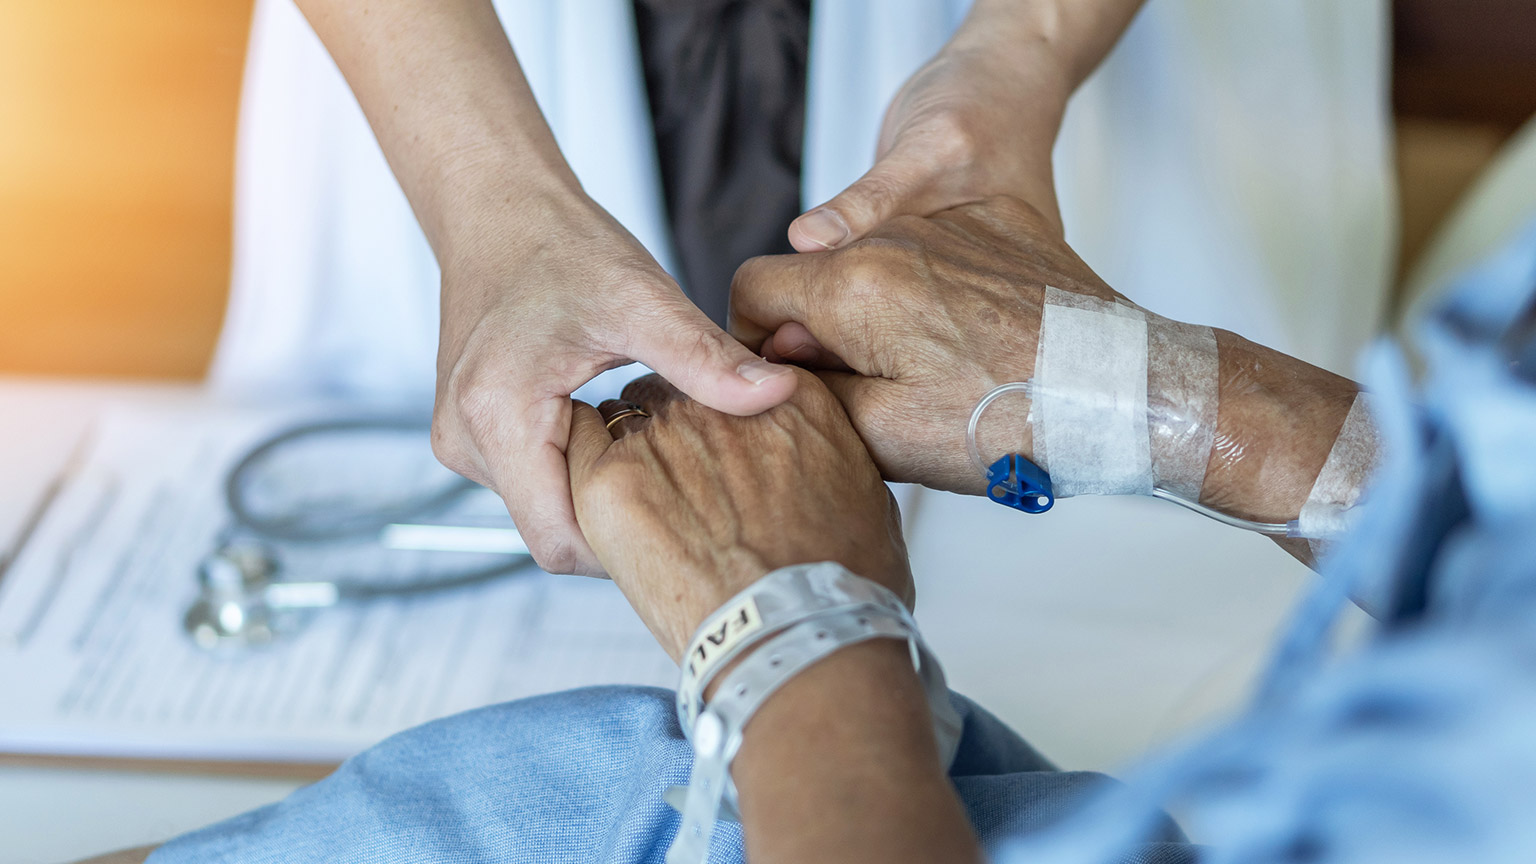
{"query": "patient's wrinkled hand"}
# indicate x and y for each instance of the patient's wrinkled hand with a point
(687, 507)
(931, 312)
(911, 326)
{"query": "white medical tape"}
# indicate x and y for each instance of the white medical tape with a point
(1125, 402)
(1089, 396)
(783, 597)
(1337, 490)
(1122, 400)
(1183, 381)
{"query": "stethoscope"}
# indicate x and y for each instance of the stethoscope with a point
(244, 599)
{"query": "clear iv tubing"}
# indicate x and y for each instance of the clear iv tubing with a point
(1274, 529)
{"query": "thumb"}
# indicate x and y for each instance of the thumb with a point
(681, 344)
(890, 188)
(588, 442)
(793, 343)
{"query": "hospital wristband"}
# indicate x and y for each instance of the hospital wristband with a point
(718, 731)
(781, 598)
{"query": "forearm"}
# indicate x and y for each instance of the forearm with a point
(841, 766)
(1019, 62)
(1076, 34)
(1232, 425)
(445, 96)
(1277, 421)
(1281, 424)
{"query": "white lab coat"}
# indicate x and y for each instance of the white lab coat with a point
(1227, 165)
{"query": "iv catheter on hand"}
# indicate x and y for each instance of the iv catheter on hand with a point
(1015, 481)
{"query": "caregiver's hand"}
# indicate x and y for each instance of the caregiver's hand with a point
(689, 506)
(542, 289)
(533, 311)
(979, 119)
(914, 324)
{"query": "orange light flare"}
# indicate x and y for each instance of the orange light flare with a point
(117, 126)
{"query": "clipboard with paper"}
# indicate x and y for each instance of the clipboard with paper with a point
(96, 661)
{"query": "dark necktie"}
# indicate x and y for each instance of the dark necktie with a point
(726, 81)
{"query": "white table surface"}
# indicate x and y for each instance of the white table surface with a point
(53, 815)
(1098, 630)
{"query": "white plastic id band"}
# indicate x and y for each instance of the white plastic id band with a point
(781, 598)
(719, 638)
(771, 665)
(1339, 484)
(1089, 408)
(719, 730)
(705, 790)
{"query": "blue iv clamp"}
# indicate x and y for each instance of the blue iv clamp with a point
(1021, 484)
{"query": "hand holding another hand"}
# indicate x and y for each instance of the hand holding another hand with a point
(687, 507)
(911, 326)
(979, 119)
(533, 311)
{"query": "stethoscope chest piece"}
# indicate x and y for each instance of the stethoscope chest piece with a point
(231, 610)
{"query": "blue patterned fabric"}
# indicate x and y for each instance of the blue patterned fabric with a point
(578, 777)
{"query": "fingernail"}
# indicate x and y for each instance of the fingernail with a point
(758, 371)
(824, 227)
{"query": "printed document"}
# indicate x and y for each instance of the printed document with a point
(94, 659)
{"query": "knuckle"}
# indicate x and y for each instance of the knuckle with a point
(445, 443)
(618, 483)
(951, 138)
(872, 265)
(472, 396)
(613, 493)
(448, 446)
(861, 264)
(751, 274)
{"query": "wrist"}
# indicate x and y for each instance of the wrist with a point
(496, 209)
(749, 568)
(1277, 422)
(828, 726)
(866, 698)
(1032, 33)
(853, 731)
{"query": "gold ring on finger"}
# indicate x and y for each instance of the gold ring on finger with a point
(625, 413)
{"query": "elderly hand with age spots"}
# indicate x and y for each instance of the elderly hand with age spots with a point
(688, 506)
(912, 325)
